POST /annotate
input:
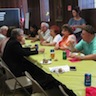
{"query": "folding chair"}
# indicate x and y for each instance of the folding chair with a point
(16, 82)
(39, 91)
(62, 90)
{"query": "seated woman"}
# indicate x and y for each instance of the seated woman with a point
(55, 36)
(77, 22)
(67, 39)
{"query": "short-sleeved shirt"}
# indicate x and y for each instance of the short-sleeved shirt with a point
(56, 39)
(87, 48)
(46, 34)
(73, 22)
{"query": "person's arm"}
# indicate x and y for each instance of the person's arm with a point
(56, 46)
(48, 44)
(36, 38)
(18, 49)
(40, 35)
(87, 57)
(78, 47)
(79, 26)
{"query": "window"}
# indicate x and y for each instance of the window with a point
(44, 10)
(87, 4)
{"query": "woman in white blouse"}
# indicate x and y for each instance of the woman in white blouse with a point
(55, 36)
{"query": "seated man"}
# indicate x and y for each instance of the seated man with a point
(44, 32)
(87, 45)
(3, 32)
(13, 54)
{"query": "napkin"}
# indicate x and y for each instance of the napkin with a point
(74, 60)
(91, 91)
(60, 69)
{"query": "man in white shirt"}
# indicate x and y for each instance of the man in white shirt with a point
(44, 32)
(3, 32)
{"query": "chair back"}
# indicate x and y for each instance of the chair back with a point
(16, 82)
(8, 73)
(35, 85)
(62, 90)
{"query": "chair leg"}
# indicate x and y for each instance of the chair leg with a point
(62, 90)
(3, 86)
(14, 89)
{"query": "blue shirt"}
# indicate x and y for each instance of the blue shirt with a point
(87, 48)
(73, 22)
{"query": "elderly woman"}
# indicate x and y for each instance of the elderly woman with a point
(55, 36)
(67, 39)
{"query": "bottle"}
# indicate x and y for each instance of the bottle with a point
(64, 55)
(87, 81)
(52, 53)
(36, 47)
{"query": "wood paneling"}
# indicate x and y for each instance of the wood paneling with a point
(34, 9)
(65, 13)
(90, 16)
(14, 4)
(9, 3)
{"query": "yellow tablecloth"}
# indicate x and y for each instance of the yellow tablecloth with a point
(73, 79)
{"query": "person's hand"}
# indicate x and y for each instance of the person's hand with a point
(76, 26)
(33, 40)
(56, 47)
(39, 31)
(23, 41)
(71, 46)
(33, 47)
(41, 50)
(76, 56)
(43, 43)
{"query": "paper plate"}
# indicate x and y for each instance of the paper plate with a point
(78, 54)
(49, 62)
(60, 69)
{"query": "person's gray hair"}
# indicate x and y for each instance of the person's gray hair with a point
(3, 28)
(46, 24)
(16, 32)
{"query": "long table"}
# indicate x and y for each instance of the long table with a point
(73, 79)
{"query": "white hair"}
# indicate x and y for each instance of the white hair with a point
(3, 28)
(45, 24)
